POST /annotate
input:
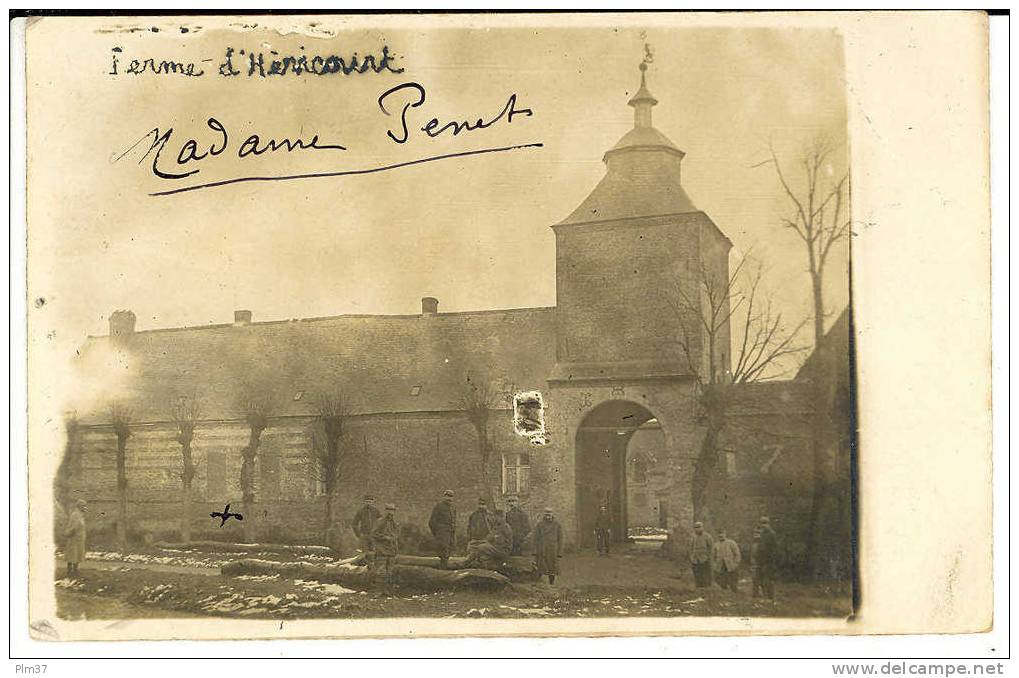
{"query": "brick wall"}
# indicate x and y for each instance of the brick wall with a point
(406, 459)
(614, 283)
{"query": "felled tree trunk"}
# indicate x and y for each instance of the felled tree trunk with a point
(244, 548)
(355, 575)
(517, 568)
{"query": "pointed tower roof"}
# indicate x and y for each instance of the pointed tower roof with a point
(643, 177)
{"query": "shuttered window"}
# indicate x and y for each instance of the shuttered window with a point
(516, 473)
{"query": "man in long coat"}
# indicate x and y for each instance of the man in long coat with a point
(75, 533)
(701, 550)
(518, 521)
(548, 544)
(443, 527)
(726, 558)
(364, 522)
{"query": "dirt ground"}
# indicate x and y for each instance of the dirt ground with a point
(635, 584)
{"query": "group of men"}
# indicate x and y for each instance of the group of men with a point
(492, 535)
(721, 558)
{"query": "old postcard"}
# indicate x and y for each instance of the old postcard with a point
(498, 324)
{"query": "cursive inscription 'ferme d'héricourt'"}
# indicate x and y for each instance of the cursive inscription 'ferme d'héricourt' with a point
(410, 95)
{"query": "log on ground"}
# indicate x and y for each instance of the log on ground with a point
(352, 574)
(517, 568)
(231, 547)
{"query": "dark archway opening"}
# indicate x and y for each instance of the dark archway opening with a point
(602, 465)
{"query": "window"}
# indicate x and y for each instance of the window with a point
(215, 476)
(516, 473)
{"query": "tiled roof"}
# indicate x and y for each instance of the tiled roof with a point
(645, 137)
(642, 180)
(381, 363)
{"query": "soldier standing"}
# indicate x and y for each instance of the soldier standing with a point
(74, 538)
(701, 547)
(603, 530)
(755, 561)
(477, 523)
(727, 559)
(364, 522)
(519, 523)
(443, 527)
(767, 557)
(548, 544)
(385, 541)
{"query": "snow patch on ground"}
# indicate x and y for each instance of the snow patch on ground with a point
(530, 611)
(148, 558)
(258, 577)
(333, 589)
(66, 583)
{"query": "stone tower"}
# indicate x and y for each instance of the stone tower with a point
(624, 259)
(621, 255)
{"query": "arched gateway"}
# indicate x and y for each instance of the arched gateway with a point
(603, 466)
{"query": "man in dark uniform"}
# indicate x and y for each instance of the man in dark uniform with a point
(365, 520)
(767, 557)
(443, 527)
(518, 521)
(755, 561)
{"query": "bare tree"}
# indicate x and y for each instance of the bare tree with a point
(326, 456)
(476, 399)
(821, 220)
(120, 418)
(186, 411)
(706, 308)
(257, 405)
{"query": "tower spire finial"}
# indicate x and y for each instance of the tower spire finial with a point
(642, 101)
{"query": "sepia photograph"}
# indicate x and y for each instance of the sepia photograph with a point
(474, 318)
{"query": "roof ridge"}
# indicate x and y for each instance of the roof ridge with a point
(378, 316)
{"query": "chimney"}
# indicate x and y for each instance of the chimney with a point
(429, 305)
(121, 324)
(242, 318)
